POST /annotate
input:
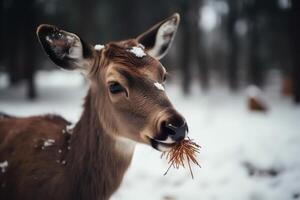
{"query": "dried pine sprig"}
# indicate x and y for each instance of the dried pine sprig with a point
(184, 151)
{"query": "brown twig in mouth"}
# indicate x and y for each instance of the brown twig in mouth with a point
(185, 150)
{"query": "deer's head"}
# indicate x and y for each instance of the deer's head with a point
(127, 81)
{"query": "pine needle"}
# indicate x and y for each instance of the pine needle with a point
(186, 150)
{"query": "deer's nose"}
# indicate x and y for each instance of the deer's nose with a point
(176, 132)
(175, 128)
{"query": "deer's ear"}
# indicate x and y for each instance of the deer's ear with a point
(65, 49)
(158, 39)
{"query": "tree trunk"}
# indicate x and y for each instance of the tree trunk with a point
(199, 47)
(295, 43)
(232, 68)
(186, 49)
(255, 68)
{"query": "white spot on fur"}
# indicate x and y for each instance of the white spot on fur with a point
(49, 142)
(60, 151)
(137, 51)
(98, 47)
(125, 146)
(159, 86)
(3, 166)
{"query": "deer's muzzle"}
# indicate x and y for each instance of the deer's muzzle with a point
(172, 129)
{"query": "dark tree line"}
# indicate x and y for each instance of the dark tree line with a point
(238, 57)
(295, 43)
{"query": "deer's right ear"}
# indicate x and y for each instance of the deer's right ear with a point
(65, 49)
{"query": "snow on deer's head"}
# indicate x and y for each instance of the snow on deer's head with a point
(127, 81)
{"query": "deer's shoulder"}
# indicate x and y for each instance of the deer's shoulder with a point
(29, 130)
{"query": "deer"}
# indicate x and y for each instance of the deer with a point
(47, 157)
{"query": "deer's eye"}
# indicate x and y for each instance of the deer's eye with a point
(115, 88)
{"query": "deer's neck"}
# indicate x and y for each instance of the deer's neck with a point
(95, 163)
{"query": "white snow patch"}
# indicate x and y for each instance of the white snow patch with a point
(253, 91)
(70, 128)
(3, 166)
(159, 86)
(98, 47)
(137, 51)
(49, 142)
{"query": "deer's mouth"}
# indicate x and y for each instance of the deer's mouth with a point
(161, 145)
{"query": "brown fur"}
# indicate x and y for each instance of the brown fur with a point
(43, 174)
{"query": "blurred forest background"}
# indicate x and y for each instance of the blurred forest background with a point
(237, 42)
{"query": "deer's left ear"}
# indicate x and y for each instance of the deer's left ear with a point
(158, 39)
(65, 49)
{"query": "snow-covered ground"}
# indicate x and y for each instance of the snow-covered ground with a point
(231, 138)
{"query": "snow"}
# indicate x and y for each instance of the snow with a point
(70, 128)
(219, 121)
(3, 166)
(159, 86)
(98, 47)
(49, 142)
(137, 51)
(253, 91)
